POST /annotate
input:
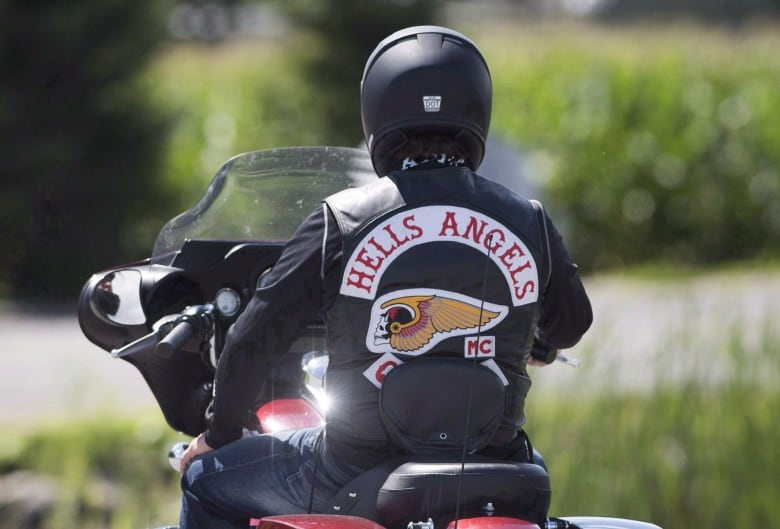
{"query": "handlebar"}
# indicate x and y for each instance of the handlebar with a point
(197, 320)
(544, 352)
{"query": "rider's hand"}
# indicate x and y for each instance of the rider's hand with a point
(532, 361)
(542, 354)
(197, 447)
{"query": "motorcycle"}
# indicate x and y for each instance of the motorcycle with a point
(168, 316)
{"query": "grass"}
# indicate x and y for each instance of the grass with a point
(694, 448)
(108, 473)
(695, 456)
(691, 454)
(680, 429)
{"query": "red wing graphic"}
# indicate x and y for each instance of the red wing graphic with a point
(411, 321)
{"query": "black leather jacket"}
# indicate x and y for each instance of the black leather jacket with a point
(419, 263)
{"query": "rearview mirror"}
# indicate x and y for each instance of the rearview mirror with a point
(117, 298)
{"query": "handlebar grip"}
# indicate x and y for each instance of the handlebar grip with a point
(175, 339)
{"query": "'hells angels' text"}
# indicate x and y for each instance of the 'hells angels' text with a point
(405, 230)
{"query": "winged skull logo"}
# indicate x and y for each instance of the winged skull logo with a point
(408, 323)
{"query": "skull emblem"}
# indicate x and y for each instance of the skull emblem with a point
(391, 322)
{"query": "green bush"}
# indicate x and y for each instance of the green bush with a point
(689, 456)
(109, 472)
(81, 145)
(653, 145)
(648, 145)
(226, 100)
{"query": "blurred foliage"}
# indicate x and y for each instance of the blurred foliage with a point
(90, 148)
(651, 144)
(697, 448)
(251, 95)
(80, 144)
(337, 38)
(733, 12)
(226, 100)
(695, 451)
(109, 473)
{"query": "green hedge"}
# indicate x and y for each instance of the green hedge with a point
(105, 472)
(654, 145)
(648, 144)
(80, 144)
(227, 100)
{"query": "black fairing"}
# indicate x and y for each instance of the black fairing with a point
(181, 381)
(228, 239)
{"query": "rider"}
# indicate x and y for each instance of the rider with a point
(431, 260)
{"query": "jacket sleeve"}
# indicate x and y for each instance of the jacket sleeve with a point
(566, 312)
(290, 299)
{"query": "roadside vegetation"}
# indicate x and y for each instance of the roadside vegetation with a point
(659, 150)
(648, 144)
(693, 452)
(655, 144)
(682, 433)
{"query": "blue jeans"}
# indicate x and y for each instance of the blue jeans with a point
(259, 476)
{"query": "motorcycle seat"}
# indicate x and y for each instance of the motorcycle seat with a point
(416, 491)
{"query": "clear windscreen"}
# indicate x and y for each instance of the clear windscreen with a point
(264, 195)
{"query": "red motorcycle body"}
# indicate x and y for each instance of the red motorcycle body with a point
(328, 521)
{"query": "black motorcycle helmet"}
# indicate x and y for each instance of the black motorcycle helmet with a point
(425, 80)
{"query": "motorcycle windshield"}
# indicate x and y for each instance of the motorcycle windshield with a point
(264, 196)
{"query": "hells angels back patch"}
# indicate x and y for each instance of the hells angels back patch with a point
(411, 322)
(428, 224)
